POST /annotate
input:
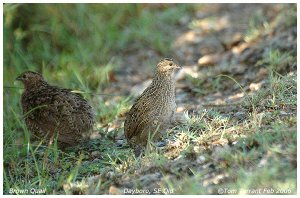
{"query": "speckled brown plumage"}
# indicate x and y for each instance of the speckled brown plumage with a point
(50, 110)
(153, 111)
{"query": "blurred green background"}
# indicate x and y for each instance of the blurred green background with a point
(74, 40)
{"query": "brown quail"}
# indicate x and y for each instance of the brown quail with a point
(153, 111)
(50, 111)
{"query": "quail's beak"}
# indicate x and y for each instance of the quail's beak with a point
(178, 66)
(19, 78)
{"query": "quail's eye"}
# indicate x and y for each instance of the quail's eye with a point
(24, 76)
(170, 64)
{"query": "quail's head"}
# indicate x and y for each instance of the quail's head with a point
(167, 66)
(30, 78)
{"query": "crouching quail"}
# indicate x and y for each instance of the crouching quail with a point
(153, 111)
(49, 111)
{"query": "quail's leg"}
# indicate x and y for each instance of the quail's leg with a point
(139, 151)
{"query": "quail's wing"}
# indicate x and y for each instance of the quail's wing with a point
(141, 114)
(77, 108)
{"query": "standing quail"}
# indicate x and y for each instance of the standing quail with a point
(153, 111)
(50, 111)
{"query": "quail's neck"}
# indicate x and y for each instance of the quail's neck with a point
(165, 83)
(166, 77)
(36, 85)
